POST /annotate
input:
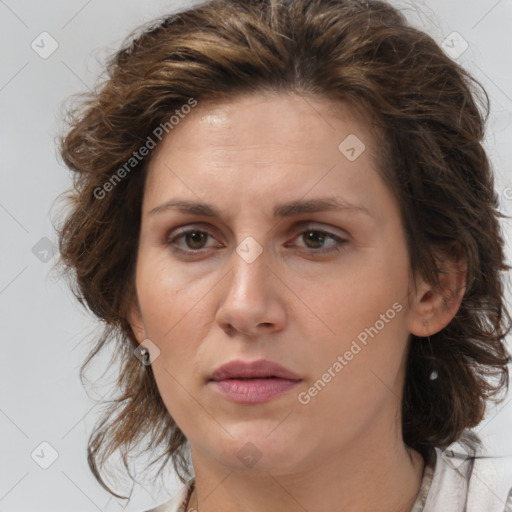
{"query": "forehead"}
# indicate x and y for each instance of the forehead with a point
(259, 146)
(271, 119)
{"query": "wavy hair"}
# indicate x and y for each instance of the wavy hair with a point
(430, 114)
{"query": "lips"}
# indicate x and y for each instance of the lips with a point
(252, 383)
(261, 369)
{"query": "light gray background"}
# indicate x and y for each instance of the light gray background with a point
(42, 329)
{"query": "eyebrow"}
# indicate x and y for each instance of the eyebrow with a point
(288, 209)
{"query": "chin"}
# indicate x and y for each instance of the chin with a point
(257, 449)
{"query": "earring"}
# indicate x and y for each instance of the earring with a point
(145, 356)
(434, 374)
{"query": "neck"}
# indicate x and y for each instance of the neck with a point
(360, 478)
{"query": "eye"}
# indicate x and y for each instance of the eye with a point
(315, 240)
(195, 240)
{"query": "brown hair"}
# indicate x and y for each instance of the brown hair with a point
(431, 115)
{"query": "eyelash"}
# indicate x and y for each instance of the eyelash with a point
(336, 248)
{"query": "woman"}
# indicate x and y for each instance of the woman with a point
(284, 215)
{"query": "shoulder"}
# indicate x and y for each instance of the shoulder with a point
(470, 483)
(178, 502)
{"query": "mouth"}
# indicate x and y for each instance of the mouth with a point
(252, 382)
(260, 369)
(253, 391)
(252, 378)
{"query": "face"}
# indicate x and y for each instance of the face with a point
(320, 291)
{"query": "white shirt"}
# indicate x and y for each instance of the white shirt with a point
(452, 482)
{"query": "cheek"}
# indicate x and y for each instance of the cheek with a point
(166, 294)
(365, 312)
(174, 388)
(358, 295)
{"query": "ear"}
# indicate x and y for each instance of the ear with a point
(433, 309)
(136, 322)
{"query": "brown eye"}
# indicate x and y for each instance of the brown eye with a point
(315, 239)
(194, 239)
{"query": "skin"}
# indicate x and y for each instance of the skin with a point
(344, 449)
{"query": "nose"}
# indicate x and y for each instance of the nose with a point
(251, 303)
